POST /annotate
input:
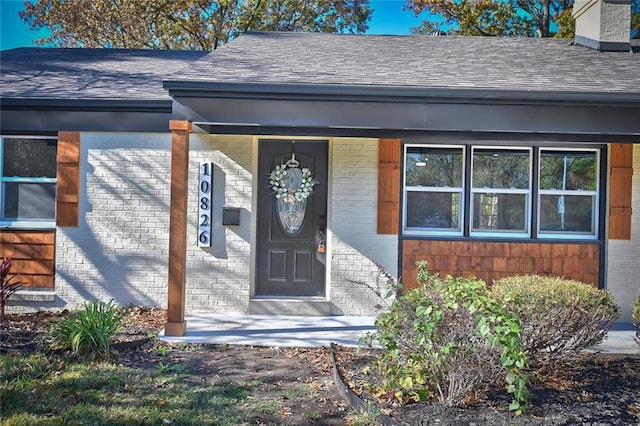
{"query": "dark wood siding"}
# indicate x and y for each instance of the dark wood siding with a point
(389, 185)
(491, 261)
(33, 255)
(68, 179)
(621, 186)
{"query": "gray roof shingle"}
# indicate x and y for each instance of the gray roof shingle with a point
(524, 64)
(89, 73)
(418, 61)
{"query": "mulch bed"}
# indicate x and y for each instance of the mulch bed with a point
(594, 389)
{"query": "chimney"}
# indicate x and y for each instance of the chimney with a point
(603, 25)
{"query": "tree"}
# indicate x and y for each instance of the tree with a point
(635, 19)
(520, 18)
(471, 17)
(185, 24)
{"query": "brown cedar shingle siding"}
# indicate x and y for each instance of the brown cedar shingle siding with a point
(68, 179)
(389, 153)
(493, 260)
(621, 185)
(33, 255)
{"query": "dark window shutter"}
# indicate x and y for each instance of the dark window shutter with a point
(68, 179)
(620, 181)
(389, 185)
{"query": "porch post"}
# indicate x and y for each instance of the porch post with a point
(176, 325)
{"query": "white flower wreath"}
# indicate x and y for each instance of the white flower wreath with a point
(278, 181)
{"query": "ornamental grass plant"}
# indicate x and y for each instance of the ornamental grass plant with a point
(89, 332)
(559, 317)
(9, 283)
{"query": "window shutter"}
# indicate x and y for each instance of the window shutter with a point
(68, 179)
(389, 152)
(621, 176)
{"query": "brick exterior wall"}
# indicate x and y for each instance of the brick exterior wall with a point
(119, 250)
(623, 268)
(615, 21)
(219, 277)
(353, 206)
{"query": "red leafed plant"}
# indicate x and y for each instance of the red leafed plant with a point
(9, 283)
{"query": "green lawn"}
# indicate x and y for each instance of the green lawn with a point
(49, 390)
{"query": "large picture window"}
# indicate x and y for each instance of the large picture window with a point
(27, 181)
(503, 192)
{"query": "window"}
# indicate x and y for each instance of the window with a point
(504, 192)
(434, 179)
(500, 191)
(27, 181)
(568, 197)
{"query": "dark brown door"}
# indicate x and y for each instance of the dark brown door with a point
(291, 263)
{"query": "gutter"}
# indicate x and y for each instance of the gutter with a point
(374, 93)
(88, 105)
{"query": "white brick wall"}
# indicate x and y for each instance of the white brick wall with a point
(615, 22)
(353, 221)
(219, 278)
(623, 266)
(603, 21)
(120, 249)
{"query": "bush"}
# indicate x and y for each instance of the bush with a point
(447, 340)
(559, 317)
(635, 318)
(89, 331)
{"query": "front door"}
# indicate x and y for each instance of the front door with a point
(290, 258)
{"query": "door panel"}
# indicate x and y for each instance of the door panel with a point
(291, 265)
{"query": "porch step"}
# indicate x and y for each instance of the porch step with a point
(317, 307)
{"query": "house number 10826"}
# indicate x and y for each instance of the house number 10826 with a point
(204, 204)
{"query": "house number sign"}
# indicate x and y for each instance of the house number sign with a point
(204, 204)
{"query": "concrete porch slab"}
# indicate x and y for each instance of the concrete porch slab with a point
(274, 330)
(297, 331)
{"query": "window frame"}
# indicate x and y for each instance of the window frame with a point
(534, 194)
(595, 217)
(480, 190)
(432, 189)
(29, 223)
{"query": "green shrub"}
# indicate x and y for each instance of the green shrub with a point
(447, 340)
(559, 317)
(89, 331)
(635, 318)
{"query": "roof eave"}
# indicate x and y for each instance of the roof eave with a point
(87, 104)
(50, 115)
(378, 93)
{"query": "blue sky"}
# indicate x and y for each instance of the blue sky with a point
(388, 18)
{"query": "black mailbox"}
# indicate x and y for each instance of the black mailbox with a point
(231, 216)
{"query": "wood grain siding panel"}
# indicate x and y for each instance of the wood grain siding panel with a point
(491, 261)
(621, 186)
(33, 255)
(68, 179)
(389, 155)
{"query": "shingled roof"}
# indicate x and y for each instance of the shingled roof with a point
(417, 61)
(89, 73)
(264, 58)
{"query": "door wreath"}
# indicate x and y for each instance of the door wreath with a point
(292, 186)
